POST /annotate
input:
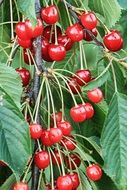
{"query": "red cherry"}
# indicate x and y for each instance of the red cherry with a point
(2, 163)
(41, 159)
(84, 75)
(57, 52)
(74, 87)
(24, 74)
(49, 32)
(75, 32)
(65, 127)
(20, 186)
(89, 110)
(48, 187)
(75, 180)
(113, 41)
(64, 182)
(24, 43)
(21, 31)
(69, 143)
(50, 14)
(45, 138)
(88, 37)
(89, 20)
(58, 116)
(65, 41)
(94, 172)
(95, 95)
(45, 53)
(56, 159)
(78, 113)
(28, 59)
(55, 135)
(35, 131)
(75, 163)
(34, 32)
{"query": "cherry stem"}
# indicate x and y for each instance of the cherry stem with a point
(105, 27)
(51, 169)
(67, 10)
(61, 159)
(81, 57)
(114, 78)
(56, 40)
(11, 16)
(28, 168)
(84, 55)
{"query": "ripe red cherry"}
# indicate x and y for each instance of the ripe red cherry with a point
(35, 131)
(95, 95)
(84, 75)
(41, 159)
(28, 59)
(24, 74)
(64, 183)
(69, 143)
(56, 159)
(24, 43)
(75, 179)
(2, 163)
(45, 53)
(50, 14)
(20, 186)
(21, 31)
(74, 86)
(75, 163)
(88, 37)
(57, 52)
(50, 33)
(34, 32)
(58, 116)
(78, 113)
(65, 41)
(94, 172)
(113, 41)
(45, 138)
(89, 20)
(65, 127)
(75, 32)
(89, 110)
(55, 135)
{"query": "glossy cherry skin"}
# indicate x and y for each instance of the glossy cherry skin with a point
(78, 113)
(89, 110)
(41, 159)
(45, 138)
(70, 143)
(45, 53)
(75, 179)
(21, 31)
(24, 43)
(113, 41)
(20, 186)
(57, 52)
(83, 76)
(65, 127)
(58, 116)
(76, 161)
(94, 172)
(25, 75)
(64, 183)
(74, 86)
(95, 95)
(50, 14)
(56, 159)
(34, 32)
(89, 20)
(35, 131)
(65, 41)
(28, 59)
(2, 163)
(55, 135)
(87, 36)
(50, 33)
(75, 32)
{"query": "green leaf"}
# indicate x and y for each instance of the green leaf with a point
(109, 9)
(10, 81)
(8, 183)
(85, 184)
(15, 143)
(114, 141)
(27, 8)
